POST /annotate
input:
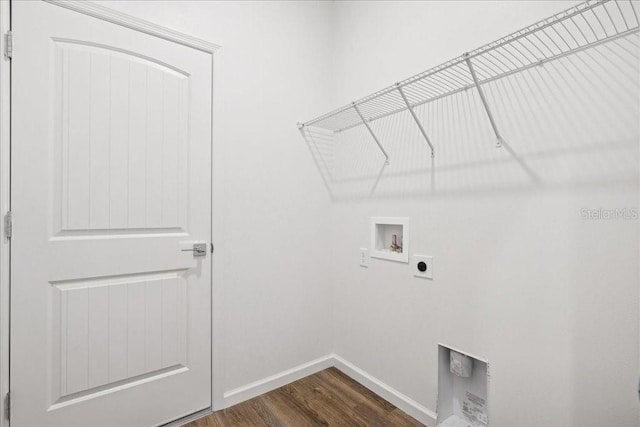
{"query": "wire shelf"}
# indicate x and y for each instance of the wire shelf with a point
(580, 27)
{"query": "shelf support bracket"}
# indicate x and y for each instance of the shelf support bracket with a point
(375, 138)
(483, 99)
(415, 118)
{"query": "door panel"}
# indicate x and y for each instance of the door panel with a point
(113, 331)
(111, 173)
(132, 113)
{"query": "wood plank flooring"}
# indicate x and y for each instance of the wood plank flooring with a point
(328, 398)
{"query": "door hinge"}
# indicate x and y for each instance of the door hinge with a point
(7, 406)
(8, 225)
(8, 45)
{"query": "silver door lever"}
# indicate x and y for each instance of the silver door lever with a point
(199, 249)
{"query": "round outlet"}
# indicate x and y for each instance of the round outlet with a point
(422, 266)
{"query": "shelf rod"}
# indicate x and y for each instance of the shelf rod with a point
(375, 138)
(415, 118)
(484, 100)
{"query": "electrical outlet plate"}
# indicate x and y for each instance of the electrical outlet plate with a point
(427, 259)
(364, 257)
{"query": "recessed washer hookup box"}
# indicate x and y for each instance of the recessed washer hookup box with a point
(462, 389)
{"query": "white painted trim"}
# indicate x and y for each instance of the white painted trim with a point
(218, 264)
(119, 18)
(186, 420)
(273, 382)
(5, 203)
(401, 401)
(405, 403)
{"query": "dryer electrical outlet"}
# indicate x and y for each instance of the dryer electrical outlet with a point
(422, 266)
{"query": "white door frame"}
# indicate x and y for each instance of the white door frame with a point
(5, 103)
(96, 11)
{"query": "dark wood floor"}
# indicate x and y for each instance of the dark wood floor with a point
(328, 398)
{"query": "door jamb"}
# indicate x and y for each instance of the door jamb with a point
(5, 199)
(106, 14)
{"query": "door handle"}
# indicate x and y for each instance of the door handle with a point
(199, 249)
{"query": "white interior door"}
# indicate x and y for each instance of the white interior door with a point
(111, 140)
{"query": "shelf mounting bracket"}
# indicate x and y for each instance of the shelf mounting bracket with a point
(484, 100)
(415, 118)
(375, 138)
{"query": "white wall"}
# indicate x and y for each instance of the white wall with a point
(550, 299)
(271, 209)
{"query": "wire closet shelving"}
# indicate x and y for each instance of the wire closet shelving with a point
(575, 29)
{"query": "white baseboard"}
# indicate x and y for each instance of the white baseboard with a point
(273, 382)
(186, 420)
(405, 403)
(256, 388)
